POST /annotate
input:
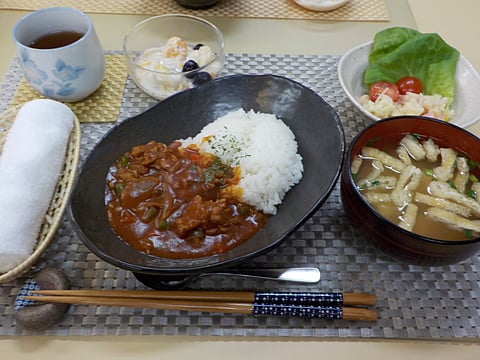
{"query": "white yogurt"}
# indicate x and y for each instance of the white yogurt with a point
(160, 71)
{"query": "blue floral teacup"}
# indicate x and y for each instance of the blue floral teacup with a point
(59, 53)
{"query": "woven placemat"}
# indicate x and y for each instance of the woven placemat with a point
(356, 10)
(414, 302)
(102, 106)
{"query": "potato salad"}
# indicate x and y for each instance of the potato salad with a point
(410, 73)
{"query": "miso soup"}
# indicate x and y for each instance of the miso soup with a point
(423, 187)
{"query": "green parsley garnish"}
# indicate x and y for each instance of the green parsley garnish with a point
(429, 172)
(373, 140)
(468, 233)
(471, 193)
(472, 164)
(124, 160)
(452, 185)
(118, 188)
(227, 146)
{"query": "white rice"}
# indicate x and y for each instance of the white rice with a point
(265, 149)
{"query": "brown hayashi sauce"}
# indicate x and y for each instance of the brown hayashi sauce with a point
(176, 202)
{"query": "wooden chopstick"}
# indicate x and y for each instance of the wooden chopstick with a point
(325, 312)
(304, 298)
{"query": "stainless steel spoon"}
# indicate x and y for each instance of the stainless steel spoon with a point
(307, 275)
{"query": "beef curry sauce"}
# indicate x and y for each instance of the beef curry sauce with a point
(175, 202)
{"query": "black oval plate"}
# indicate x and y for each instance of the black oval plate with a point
(316, 126)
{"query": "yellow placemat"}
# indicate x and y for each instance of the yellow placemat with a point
(356, 10)
(102, 106)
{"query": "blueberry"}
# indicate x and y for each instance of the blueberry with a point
(201, 77)
(198, 46)
(189, 66)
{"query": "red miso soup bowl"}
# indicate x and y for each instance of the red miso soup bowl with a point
(401, 244)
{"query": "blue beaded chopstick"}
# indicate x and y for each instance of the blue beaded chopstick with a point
(305, 304)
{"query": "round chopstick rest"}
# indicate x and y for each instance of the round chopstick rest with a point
(31, 315)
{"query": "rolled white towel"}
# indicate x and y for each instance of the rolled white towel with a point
(30, 164)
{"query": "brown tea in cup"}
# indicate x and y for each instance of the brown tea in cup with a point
(59, 53)
(55, 40)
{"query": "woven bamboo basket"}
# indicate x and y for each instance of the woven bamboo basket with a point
(59, 201)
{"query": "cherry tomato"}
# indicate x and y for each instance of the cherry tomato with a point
(409, 84)
(383, 87)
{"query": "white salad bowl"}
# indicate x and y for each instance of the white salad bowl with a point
(322, 5)
(466, 106)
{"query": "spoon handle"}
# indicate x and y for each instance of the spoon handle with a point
(299, 274)
(306, 275)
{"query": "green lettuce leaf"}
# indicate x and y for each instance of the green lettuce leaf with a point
(398, 52)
